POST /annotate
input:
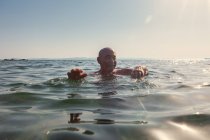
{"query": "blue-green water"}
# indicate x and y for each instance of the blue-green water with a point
(172, 103)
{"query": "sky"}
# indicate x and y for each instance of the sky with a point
(80, 28)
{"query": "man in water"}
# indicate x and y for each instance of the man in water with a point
(107, 60)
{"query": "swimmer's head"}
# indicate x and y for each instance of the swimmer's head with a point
(107, 60)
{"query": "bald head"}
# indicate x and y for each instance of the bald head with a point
(107, 60)
(106, 51)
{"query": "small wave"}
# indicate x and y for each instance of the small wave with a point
(74, 96)
(42, 66)
(20, 108)
(88, 103)
(36, 86)
(63, 82)
(56, 82)
(173, 71)
(205, 84)
(143, 85)
(183, 87)
(16, 85)
(19, 98)
(21, 67)
(196, 119)
(109, 93)
(105, 111)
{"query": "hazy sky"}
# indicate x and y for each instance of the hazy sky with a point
(80, 28)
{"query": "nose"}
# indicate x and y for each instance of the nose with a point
(110, 61)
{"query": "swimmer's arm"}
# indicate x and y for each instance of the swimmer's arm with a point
(126, 71)
(137, 72)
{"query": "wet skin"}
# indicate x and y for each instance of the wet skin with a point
(76, 74)
(107, 61)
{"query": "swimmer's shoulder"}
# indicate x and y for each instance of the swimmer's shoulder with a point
(123, 71)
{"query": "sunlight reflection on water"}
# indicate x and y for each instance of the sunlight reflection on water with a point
(172, 102)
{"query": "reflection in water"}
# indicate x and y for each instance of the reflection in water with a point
(74, 118)
(72, 129)
(69, 129)
(108, 93)
(88, 132)
(73, 95)
(104, 121)
(35, 96)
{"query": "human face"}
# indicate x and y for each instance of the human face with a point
(107, 60)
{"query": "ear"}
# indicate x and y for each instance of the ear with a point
(98, 59)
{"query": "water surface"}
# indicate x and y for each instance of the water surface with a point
(37, 101)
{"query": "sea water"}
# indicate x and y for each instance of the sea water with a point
(37, 101)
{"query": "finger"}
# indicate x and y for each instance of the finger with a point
(72, 70)
(82, 75)
(69, 75)
(139, 74)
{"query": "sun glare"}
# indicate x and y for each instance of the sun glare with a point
(190, 130)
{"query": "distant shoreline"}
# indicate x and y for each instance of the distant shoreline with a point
(89, 58)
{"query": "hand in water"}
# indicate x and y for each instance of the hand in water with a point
(76, 74)
(139, 72)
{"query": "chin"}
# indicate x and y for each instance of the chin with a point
(110, 70)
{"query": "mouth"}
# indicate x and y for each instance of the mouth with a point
(110, 66)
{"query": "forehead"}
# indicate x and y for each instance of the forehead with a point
(107, 52)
